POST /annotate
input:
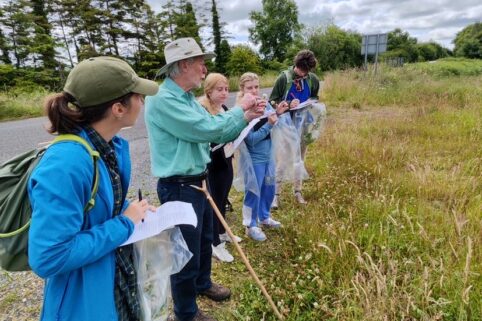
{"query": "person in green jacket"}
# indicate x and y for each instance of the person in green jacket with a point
(295, 85)
(180, 130)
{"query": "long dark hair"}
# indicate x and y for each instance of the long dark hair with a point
(67, 118)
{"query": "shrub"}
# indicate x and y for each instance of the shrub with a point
(243, 59)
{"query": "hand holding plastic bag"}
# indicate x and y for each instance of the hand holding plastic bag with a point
(157, 258)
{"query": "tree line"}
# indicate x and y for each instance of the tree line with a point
(40, 40)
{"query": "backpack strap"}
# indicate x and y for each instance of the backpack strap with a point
(93, 154)
(289, 80)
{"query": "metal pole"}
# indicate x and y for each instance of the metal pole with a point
(366, 51)
(376, 53)
(238, 248)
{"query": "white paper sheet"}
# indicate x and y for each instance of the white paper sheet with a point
(230, 151)
(305, 104)
(166, 216)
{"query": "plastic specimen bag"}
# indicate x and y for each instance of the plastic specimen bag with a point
(313, 127)
(245, 178)
(286, 140)
(157, 258)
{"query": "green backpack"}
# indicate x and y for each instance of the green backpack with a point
(15, 209)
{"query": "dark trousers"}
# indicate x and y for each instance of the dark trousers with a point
(220, 181)
(195, 277)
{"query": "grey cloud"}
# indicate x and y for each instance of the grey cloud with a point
(437, 20)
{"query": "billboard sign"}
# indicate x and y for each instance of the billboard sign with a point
(374, 44)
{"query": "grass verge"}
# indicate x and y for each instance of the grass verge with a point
(17, 104)
(393, 226)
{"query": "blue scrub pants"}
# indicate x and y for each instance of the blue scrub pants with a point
(260, 205)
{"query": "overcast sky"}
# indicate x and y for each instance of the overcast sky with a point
(437, 20)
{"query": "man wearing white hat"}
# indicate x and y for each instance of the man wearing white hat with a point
(179, 131)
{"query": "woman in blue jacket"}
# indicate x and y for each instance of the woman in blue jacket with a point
(87, 275)
(256, 208)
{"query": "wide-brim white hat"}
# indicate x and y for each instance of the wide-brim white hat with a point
(183, 48)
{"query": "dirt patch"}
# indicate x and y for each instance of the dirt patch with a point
(21, 295)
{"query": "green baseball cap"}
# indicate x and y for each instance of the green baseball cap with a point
(97, 80)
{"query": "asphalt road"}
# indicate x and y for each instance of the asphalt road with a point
(22, 135)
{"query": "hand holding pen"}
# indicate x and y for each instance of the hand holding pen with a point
(136, 211)
(295, 102)
(139, 195)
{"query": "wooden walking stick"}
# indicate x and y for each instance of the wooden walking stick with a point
(238, 248)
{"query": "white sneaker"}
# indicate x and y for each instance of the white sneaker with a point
(255, 233)
(269, 222)
(225, 238)
(275, 203)
(299, 198)
(222, 254)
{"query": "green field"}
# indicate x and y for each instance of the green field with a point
(393, 226)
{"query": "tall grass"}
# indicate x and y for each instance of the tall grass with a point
(265, 80)
(450, 67)
(16, 104)
(418, 85)
(393, 226)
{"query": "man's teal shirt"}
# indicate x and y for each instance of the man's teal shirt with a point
(180, 130)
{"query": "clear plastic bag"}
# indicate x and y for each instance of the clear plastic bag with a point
(245, 178)
(157, 258)
(314, 127)
(286, 140)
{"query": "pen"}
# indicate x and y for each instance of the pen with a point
(140, 198)
(293, 95)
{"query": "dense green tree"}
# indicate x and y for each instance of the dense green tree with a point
(149, 56)
(18, 27)
(167, 15)
(431, 51)
(4, 48)
(402, 45)
(87, 51)
(43, 43)
(468, 42)
(216, 30)
(221, 47)
(241, 60)
(59, 20)
(111, 15)
(222, 57)
(298, 44)
(335, 48)
(275, 27)
(186, 24)
(87, 25)
(81, 25)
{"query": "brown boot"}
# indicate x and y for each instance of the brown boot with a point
(198, 317)
(217, 292)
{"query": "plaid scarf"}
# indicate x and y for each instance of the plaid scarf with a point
(125, 287)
